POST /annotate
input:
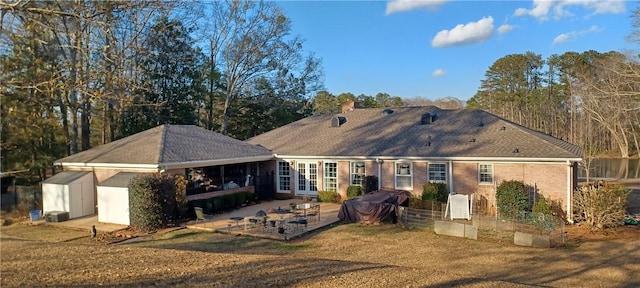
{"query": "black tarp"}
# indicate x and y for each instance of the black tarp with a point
(374, 207)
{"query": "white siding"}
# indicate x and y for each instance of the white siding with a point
(113, 204)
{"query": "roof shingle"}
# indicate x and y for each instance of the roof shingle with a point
(168, 144)
(454, 133)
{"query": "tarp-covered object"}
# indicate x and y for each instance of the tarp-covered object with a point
(373, 207)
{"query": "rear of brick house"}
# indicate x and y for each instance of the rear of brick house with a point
(472, 151)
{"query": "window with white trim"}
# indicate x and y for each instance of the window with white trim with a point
(357, 173)
(437, 173)
(284, 176)
(404, 176)
(485, 173)
(330, 182)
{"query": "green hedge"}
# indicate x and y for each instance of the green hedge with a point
(512, 198)
(435, 191)
(218, 204)
(327, 196)
(353, 191)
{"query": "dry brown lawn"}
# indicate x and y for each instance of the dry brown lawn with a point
(348, 255)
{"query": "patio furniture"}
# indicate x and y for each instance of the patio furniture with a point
(297, 222)
(237, 219)
(271, 225)
(314, 212)
(199, 215)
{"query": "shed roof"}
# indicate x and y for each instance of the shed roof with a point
(65, 177)
(121, 179)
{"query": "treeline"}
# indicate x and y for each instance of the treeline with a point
(327, 103)
(77, 74)
(591, 99)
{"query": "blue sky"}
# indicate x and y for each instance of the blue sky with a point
(438, 48)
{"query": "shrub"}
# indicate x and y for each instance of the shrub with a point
(208, 206)
(181, 195)
(511, 198)
(435, 191)
(543, 206)
(326, 196)
(240, 198)
(218, 204)
(542, 215)
(167, 191)
(353, 191)
(418, 203)
(145, 203)
(370, 183)
(601, 207)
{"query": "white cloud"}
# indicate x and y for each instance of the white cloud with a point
(505, 28)
(543, 9)
(472, 32)
(394, 6)
(439, 72)
(564, 37)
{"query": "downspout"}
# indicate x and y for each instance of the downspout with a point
(569, 190)
(379, 173)
(450, 177)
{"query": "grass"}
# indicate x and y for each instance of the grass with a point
(292, 246)
(42, 232)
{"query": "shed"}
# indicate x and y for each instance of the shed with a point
(113, 198)
(69, 191)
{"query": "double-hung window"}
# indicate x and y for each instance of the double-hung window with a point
(437, 173)
(485, 173)
(284, 176)
(357, 173)
(330, 182)
(404, 176)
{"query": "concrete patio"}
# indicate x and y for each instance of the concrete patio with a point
(224, 224)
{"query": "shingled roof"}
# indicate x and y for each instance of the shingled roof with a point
(170, 146)
(400, 133)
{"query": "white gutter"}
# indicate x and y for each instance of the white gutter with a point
(165, 166)
(108, 165)
(379, 173)
(450, 177)
(484, 159)
(569, 192)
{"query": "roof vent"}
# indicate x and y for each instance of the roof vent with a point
(481, 124)
(516, 150)
(427, 118)
(336, 121)
(503, 128)
(472, 140)
(387, 111)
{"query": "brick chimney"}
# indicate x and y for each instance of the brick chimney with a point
(350, 105)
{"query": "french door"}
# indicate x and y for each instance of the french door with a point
(307, 178)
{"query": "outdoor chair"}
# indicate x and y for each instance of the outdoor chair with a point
(314, 213)
(199, 215)
(259, 219)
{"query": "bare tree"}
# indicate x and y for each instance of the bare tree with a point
(610, 94)
(250, 39)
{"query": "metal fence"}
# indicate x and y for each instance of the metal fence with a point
(489, 223)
